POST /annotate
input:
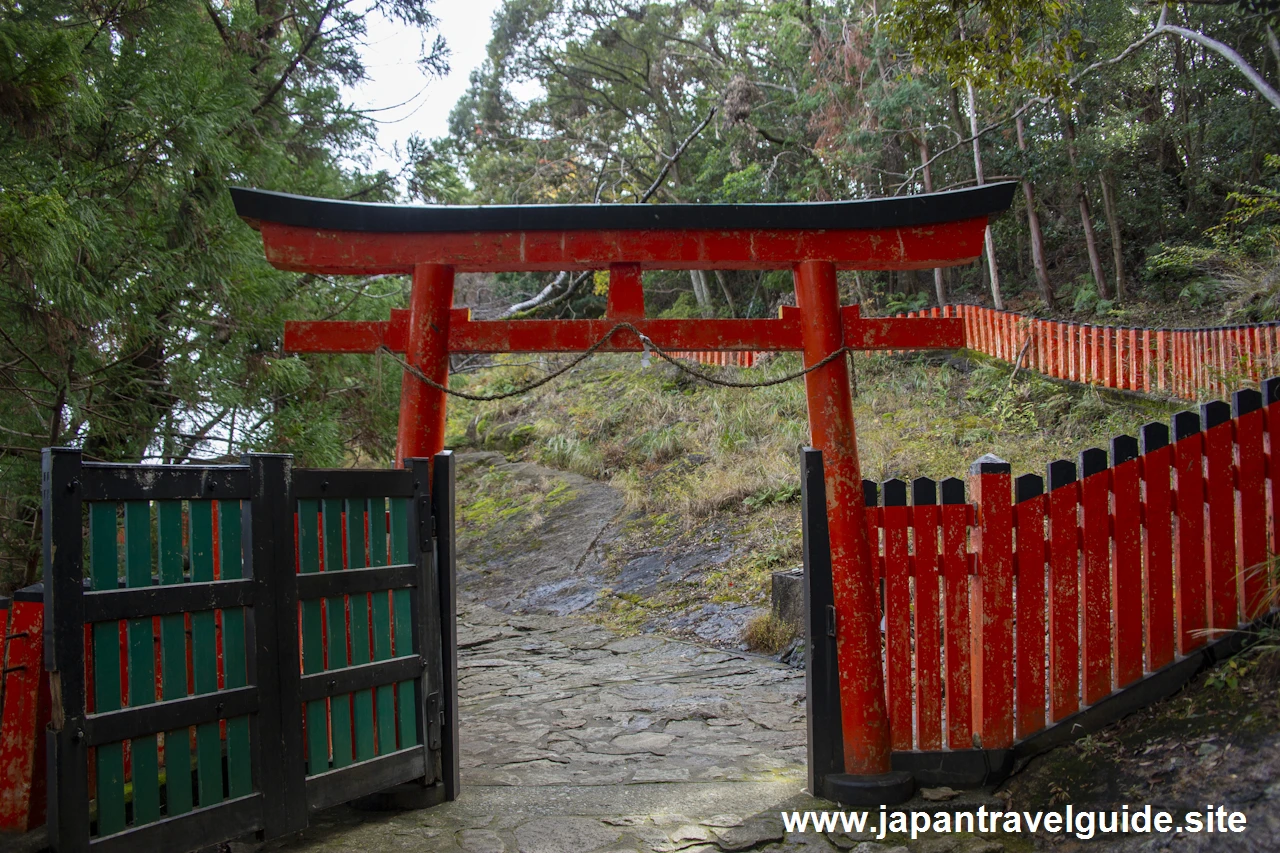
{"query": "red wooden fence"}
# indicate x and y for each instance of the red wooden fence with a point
(1029, 604)
(25, 699)
(1188, 364)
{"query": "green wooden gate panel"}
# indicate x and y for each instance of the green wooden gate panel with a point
(406, 691)
(336, 627)
(173, 659)
(104, 573)
(313, 636)
(199, 720)
(357, 558)
(145, 765)
(234, 652)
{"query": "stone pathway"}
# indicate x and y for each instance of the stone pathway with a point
(574, 739)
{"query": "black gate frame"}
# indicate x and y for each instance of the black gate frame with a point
(269, 489)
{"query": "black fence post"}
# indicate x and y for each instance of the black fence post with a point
(822, 677)
(267, 544)
(67, 755)
(426, 617)
(442, 497)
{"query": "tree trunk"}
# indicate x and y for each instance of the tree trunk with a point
(939, 284)
(992, 267)
(1086, 218)
(1113, 223)
(1033, 226)
(724, 288)
(701, 293)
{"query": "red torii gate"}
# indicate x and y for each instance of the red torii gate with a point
(811, 239)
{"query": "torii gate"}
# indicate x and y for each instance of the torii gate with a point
(811, 239)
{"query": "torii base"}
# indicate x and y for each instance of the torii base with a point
(882, 789)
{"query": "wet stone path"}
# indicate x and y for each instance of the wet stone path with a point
(576, 739)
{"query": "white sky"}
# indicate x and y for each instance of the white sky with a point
(390, 55)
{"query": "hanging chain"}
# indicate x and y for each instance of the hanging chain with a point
(645, 340)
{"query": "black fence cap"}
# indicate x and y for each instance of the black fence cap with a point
(1214, 413)
(1092, 461)
(952, 490)
(895, 492)
(35, 592)
(1155, 435)
(1028, 486)
(1123, 449)
(1062, 472)
(1271, 390)
(1185, 424)
(989, 463)
(924, 491)
(870, 493)
(1245, 400)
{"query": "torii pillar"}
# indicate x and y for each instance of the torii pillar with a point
(812, 240)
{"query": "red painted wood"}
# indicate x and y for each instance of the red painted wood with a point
(1060, 350)
(1064, 639)
(1146, 360)
(1073, 341)
(1094, 362)
(955, 568)
(1127, 604)
(898, 626)
(363, 253)
(1095, 592)
(1122, 359)
(863, 714)
(422, 408)
(1251, 513)
(468, 336)
(1133, 379)
(626, 293)
(1158, 551)
(1031, 564)
(23, 720)
(1189, 542)
(1162, 355)
(1108, 357)
(1224, 601)
(928, 626)
(993, 543)
(874, 521)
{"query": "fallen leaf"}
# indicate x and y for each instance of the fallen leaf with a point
(937, 795)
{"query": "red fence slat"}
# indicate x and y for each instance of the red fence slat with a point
(928, 622)
(955, 568)
(1220, 493)
(1031, 564)
(1189, 533)
(1064, 638)
(1095, 575)
(993, 639)
(1251, 503)
(1126, 561)
(897, 618)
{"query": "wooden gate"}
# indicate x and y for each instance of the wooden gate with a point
(233, 647)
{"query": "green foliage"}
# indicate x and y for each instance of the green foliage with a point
(140, 319)
(994, 44)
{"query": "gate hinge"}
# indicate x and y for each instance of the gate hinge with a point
(435, 719)
(426, 524)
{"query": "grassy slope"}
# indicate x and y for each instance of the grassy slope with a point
(701, 465)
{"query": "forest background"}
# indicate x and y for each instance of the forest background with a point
(138, 319)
